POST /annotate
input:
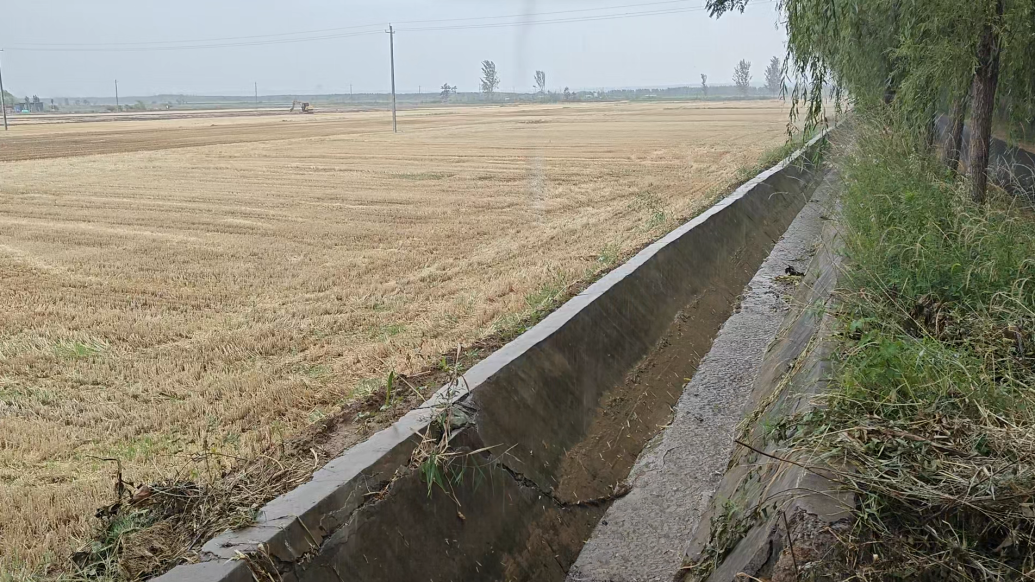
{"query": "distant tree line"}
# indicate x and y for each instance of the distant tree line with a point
(488, 89)
(489, 82)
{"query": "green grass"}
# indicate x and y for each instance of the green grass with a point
(386, 331)
(77, 350)
(773, 156)
(547, 297)
(316, 371)
(609, 255)
(13, 395)
(653, 209)
(933, 417)
(141, 448)
(99, 561)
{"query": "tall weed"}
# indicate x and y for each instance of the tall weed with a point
(933, 417)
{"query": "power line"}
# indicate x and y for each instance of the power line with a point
(527, 20)
(574, 10)
(559, 21)
(172, 43)
(338, 29)
(190, 47)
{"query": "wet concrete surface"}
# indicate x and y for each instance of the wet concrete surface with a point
(643, 536)
(769, 500)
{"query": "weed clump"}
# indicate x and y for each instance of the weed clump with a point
(934, 414)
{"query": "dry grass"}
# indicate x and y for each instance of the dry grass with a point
(933, 413)
(186, 291)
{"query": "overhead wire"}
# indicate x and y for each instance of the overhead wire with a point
(525, 20)
(557, 21)
(23, 48)
(354, 27)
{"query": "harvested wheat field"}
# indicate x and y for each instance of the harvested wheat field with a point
(176, 286)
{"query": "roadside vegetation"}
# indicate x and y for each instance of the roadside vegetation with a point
(933, 417)
(932, 420)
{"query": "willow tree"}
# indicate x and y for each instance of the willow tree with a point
(924, 57)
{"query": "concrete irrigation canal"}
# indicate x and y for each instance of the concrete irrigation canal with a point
(589, 447)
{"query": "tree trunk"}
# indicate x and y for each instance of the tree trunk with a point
(986, 81)
(954, 148)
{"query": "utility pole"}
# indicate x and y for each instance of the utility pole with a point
(391, 41)
(116, 94)
(3, 103)
(256, 94)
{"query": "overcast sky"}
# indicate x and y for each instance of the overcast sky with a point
(589, 49)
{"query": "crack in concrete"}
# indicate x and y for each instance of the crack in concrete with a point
(620, 490)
